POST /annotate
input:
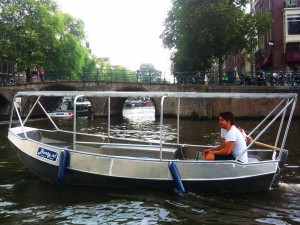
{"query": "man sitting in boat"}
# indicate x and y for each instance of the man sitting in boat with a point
(233, 143)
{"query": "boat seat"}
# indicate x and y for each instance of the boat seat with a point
(252, 158)
(140, 151)
(188, 153)
(34, 135)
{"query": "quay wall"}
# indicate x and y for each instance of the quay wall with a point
(244, 108)
(251, 108)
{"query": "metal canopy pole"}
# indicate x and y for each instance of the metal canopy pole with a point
(282, 101)
(31, 109)
(48, 116)
(14, 106)
(288, 124)
(161, 123)
(108, 124)
(74, 120)
(266, 127)
(178, 120)
(281, 125)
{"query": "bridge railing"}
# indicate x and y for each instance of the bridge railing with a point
(118, 75)
(269, 78)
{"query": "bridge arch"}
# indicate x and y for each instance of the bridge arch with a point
(5, 106)
(49, 104)
(99, 106)
(117, 104)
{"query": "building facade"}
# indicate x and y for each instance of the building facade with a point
(279, 50)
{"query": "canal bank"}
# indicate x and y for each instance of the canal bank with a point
(249, 108)
(242, 108)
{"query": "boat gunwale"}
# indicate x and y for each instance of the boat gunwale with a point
(185, 179)
(186, 161)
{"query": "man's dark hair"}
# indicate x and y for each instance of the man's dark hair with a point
(228, 116)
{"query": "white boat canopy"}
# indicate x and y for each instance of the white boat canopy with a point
(158, 94)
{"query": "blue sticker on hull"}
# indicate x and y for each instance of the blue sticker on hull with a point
(47, 154)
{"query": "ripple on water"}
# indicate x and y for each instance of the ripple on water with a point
(6, 186)
(271, 221)
(4, 204)
(117, 213)
(290, 189)
(112, 213)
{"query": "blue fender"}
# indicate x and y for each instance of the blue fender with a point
(63, 163)
(176, 177)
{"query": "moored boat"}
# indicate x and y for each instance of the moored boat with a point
(66, 107)
(60, 114)
(72, 157)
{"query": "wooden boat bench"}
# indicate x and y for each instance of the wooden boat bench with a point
(141, 151)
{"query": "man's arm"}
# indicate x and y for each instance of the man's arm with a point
(226, 150)
(218, 148)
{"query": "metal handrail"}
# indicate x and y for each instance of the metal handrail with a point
(263, 131)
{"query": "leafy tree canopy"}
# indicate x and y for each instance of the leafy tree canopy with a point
(36, 32)
(149, 73)
(201, 32)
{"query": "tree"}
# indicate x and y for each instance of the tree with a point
(36, 32)
(255, 25)
(201, 32)
(150, 74)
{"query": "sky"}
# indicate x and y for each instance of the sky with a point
(127, 32)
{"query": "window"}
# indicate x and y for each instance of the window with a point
(293, 24)
(290, 3)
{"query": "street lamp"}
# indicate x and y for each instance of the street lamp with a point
(272, 44)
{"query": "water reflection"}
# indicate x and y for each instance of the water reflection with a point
(139, 115)
(139, 123)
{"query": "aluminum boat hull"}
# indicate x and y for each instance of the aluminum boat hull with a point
(128, 172)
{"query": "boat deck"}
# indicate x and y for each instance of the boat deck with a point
(135, 150)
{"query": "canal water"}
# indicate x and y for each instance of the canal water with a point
(26, 199)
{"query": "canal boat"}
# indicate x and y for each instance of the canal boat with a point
(61, 114)
(73, 157)
(66, 107)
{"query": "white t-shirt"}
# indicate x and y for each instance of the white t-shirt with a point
(234, 134)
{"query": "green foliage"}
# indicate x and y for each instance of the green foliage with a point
(255, 25)
(36, 32)
(202, 32)
(148, 73)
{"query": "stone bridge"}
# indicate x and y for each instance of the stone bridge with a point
(189, 108)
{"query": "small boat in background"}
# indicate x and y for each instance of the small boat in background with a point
(66, 106)
(138, 102)
(147, 102)
(60, 114)
(78, 158)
